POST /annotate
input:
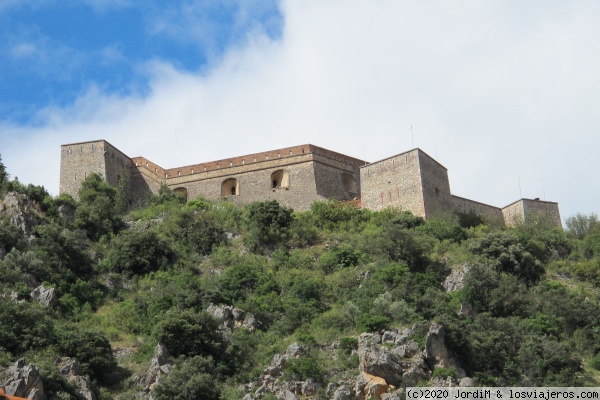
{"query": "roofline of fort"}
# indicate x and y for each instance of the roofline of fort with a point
(536, 200)
(281, 153)
(86, 142)
(406, 152)
(287, 152)
(96, 141)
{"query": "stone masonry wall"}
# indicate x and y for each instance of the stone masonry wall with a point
(536, 207)
(335, 179)
(77, 160)
(465, 206)
(142, 184)
(116, 163)
(256, 185)
(436, 187)
(254, 176)
(393, 182)
(513, 213)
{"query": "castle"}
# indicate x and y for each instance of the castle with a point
(295, 177)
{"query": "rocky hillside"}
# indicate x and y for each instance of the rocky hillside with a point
(201, 300)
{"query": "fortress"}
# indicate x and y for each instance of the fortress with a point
(295, 177)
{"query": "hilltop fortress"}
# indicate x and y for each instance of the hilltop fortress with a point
(295, 177)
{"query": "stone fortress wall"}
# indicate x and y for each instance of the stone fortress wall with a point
(296, 177)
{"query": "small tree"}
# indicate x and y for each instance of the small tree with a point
(580, 224)
(267, 223)
(122, 197)
(96, 212)
(192, 379)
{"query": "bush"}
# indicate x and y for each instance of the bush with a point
(138, 253)
(189, 333)
(303, 368)
(89, 347)
(505, 253)
(302, 231)
(10, 236)
(347, 344)
(25, 327)
(267, 224)
(373, 323)
(545, 362)
(401, 219)
(197, 231)
(580, 225)
(330, 214)
(595, 363)
(96, 213)
(444, 227)
(443, 373)
(488, 290)
(191, 379)
(339, 257)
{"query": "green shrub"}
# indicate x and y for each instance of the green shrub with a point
(303, 368)
(339, 257)
(267, 224)
(595, 363)
(96, 213)
(372, 323)
(138, 252)
(505, 253)
(10, 236)
(26, 327)
(444, 227)
(443, 373)
(302, 231)
(330, 213)
(393, 216)
(189, 333)
(192, 379)
(580, 225)
(197, 231)
(347, 344)
(89, 347)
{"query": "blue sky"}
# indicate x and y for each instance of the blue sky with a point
(504, 93)
(54, 51)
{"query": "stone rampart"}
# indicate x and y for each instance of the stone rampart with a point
(393, 182)
(296, 177)
(488, 212)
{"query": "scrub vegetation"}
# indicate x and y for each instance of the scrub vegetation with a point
(132, 278)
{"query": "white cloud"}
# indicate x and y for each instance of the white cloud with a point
(497, 91)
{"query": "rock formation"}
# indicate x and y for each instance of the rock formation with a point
(45, 296)
(23, 380)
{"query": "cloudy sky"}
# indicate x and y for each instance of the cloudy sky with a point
(505, 94)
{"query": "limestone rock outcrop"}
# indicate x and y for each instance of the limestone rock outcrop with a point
(160, 366)
(71, 370)
(231, 317)
(455, 281)
(22, 212)
(45, 296)
(393, 356)
(389, 361)
(436, 352)
(22, 380)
